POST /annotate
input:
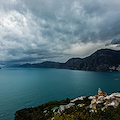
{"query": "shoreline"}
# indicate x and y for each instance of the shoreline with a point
(54, 110)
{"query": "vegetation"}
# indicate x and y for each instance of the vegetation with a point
(39, 112)
(84, 114)
(44, 112)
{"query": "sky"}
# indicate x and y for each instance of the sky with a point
(33, 31)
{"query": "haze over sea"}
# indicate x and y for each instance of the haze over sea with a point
(30, 87)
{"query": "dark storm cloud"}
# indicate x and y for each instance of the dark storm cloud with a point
(34, 30)
(115, 41)
(29, 59)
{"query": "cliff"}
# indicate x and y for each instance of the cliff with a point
(101, 60)
(100, 106)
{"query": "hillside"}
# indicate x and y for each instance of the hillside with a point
(98, 107)
(101, 60)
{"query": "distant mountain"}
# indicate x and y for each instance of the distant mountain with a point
(46, 64)
(101, 60)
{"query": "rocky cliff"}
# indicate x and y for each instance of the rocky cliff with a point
(101, 60)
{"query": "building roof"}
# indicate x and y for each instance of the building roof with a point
(112, 104)
(54, 108)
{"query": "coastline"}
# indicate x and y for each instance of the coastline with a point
(57, 110)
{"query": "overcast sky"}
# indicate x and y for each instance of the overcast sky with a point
(56, 30)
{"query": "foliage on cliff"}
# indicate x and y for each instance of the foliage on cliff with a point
(44, 112)
(83, 114)
(37, 113)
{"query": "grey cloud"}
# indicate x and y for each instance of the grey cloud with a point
(31, 29)
(118, 46)
(84, 15)
(116, 41)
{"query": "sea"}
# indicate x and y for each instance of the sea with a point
(29, 87)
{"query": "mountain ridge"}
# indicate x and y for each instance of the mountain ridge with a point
(101, 60)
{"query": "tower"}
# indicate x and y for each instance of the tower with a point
(99, 91)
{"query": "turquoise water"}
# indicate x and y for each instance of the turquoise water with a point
(23, 87)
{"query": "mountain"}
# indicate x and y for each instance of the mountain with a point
(101, 60)
(46, 64)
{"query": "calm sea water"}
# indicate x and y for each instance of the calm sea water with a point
(23, 87)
